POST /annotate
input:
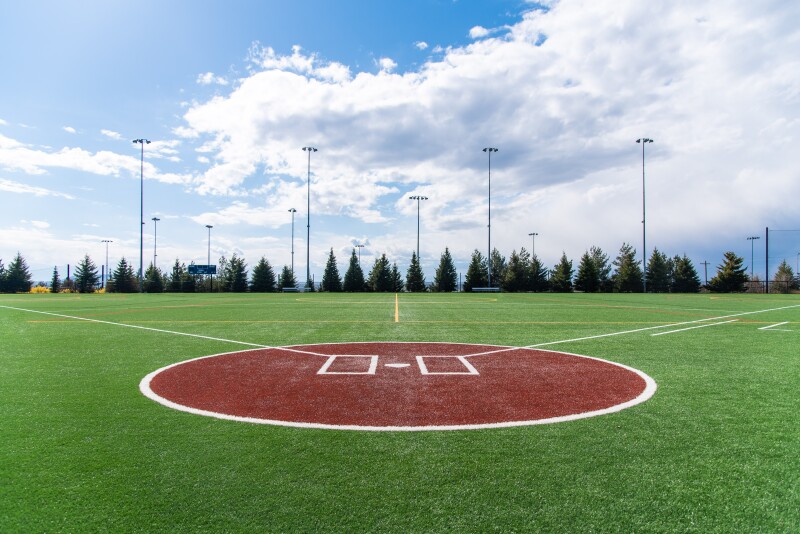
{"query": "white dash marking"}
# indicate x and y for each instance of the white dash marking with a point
(693, 327)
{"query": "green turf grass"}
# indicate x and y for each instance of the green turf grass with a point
(717, 449)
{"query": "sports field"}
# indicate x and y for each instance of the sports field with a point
(715, 449)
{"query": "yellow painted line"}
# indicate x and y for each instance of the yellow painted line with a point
(396, 308)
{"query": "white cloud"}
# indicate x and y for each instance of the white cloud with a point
(112, 134)
(421, 45)
(69, 129)
(16, 187)
(3, 123)
(476, 32)
(563, 93)
(387, 64)
(210, 78)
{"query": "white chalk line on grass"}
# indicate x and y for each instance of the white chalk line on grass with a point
(693, 327)
(151, 329)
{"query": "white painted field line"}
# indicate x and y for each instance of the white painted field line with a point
(693, 327)
(611, 334)
(148, 328)
(774, 325)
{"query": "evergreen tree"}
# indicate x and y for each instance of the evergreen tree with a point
(124, 279)
(477, 273)
(538, 275)
(189, 282)
(287, 279)
(354, 277)
(628, 276)
(17, 278)
(153, 280)
(380, 277)
(415, 279)
(2, 277)
(263, 279)
(561, 279)
(176, 277)
(330, 278)
(603, 269)
(658, 272)
(588, 277)
(445, 279)
(498, 262)
(55, 282)
(86, 276)
(731, 276)
(783, 280)
(684, 276)
(233, 276)
(396, 278)
(517, 272)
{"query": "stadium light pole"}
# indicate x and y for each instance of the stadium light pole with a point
(359, 246)
(644, 141)
(106, 241)
(308, 149)
(489, 150)
(211, 284)
(292, 211)
(141, 208)
(752, 240)
(533, 244)
(155, 240)
(417, 198)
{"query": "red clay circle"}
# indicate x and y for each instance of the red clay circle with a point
(398, 386)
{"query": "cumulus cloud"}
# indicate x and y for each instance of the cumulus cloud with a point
(421, 45)
(563, 93)
(210, 78)
(69, 129)
(112, 134)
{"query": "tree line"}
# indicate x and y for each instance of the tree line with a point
(520, 272)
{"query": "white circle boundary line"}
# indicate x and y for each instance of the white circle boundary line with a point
(647, 393)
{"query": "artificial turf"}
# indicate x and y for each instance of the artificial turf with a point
(717, 449)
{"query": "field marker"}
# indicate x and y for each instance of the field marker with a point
(396, 308)
(770, 327)
(693, 327)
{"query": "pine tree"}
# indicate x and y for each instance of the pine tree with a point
(538, 275)
(263, 279)
(588, 277)
(517, 272)
(55, 282)
(658, 272)
(86, 276)
(124, 279)
(783, 280)
(603, 269)
(17, 276)
(477, 273)
(234, 274)
(354, 277)
(731, 276)
(684, 276)
(153, 280)
(628, 276)
(445, 279)
(330, 278)
(176, 277)
(2, 277)
(380, 279)
(396, 278)
(561, 279)
(189, 282)
(498, 262)
(287, 278)
(415, 279)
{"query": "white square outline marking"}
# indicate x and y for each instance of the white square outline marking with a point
(424, 369)
(373, 365)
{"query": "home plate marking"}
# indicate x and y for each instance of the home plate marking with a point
(353, 386)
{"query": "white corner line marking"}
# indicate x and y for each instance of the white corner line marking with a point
(373, 365)
(693, 328)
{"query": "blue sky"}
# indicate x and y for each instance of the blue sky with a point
(399, 98)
